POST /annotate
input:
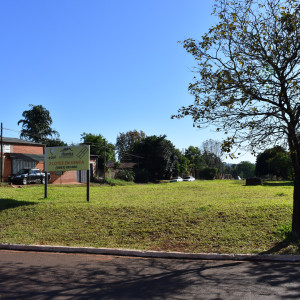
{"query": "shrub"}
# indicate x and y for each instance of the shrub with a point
(114, 182)
(208, 173)
(125, 174)
(142, 175)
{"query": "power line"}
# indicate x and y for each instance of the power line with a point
(100, 145)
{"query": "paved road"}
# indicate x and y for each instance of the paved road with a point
(34, 275)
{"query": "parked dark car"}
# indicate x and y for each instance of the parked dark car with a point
(26, 176)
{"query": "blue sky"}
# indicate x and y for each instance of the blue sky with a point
(102, 67)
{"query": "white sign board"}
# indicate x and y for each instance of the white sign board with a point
(67, 158)
(6, 148)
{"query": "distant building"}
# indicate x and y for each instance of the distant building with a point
(21, 154)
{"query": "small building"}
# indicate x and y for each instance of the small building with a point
(21, 154)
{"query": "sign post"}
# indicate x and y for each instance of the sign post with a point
(73, 158)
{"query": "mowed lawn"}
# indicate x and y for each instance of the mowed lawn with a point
(201, 216)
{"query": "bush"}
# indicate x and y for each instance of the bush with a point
(114, 182)
(208, 173)
(125, 174)
(98, 179)
(142, 175)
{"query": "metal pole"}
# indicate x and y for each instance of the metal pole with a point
(1, 160)
(104, 160)
(46, 184)
(46, 173)
(88, 186)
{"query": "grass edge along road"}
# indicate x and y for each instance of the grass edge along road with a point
(201, 216)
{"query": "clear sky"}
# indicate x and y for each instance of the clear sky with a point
(102, 66)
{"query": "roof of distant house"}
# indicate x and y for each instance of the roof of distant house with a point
(9, 140)
(127, 165)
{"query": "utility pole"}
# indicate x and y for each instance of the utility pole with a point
(104, 159)
(1, 160)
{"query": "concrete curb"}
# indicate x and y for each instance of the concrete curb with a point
(152, 254)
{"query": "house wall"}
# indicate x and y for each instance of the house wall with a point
(27, 149)
(66, 177)
(21, 148)
(7, 167)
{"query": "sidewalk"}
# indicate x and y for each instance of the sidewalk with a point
(152, 254)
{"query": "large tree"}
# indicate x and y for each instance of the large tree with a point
(126, 141)
(248, 78)
(99, 146)
(36, 125)
(212, 154)
(274, 162)
(157, 155)
(245, 169)
(196, 160)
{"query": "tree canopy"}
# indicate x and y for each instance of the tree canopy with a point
(274, 162)
(126, 141)
(157, 156)
(36, 125)
(196, 160)
(247, 81)
(99, 146)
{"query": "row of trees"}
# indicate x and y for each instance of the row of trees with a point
(155, 156)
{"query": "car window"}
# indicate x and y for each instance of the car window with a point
(22, 171)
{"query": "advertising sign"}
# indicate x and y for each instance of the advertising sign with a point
(67, 158)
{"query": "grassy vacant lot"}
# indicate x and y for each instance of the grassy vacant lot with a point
(202, 216)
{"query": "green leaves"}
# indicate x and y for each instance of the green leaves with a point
(36, 125)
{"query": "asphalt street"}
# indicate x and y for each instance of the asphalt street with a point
(38, 275)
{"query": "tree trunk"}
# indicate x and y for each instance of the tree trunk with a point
(295, 158)
(296, 207)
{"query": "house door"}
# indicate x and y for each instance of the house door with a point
(81, 175)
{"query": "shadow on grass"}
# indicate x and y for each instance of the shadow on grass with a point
(284, 244)
(278, 183)
(12, 203)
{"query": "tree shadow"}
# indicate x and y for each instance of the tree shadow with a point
(67, 276)
(284, 244)
(283, 183)
(6, 203)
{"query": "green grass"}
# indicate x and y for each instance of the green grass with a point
(201, 216)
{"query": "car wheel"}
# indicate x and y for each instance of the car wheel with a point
(43, 180)
(24, 181)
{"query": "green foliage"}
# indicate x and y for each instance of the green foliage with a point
(36, 125)
(183, 164)
(245, 169)
(118, 182)
(196, 160)
(274, 162)
(126, 141)
(142, 175)
(125, 174)
(54, 143)
(99, 146)
(157, 155)
(285, 231)
(208, 173)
